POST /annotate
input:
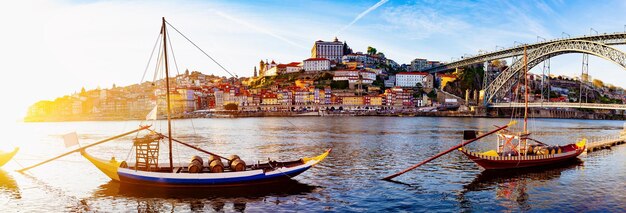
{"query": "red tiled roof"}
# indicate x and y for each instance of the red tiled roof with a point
(316, 59)
(447, 75)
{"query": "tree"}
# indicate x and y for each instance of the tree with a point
(231, 107)
(339, 84)
(432, 94)
(598, 83)
(380, 54)
(371, 50)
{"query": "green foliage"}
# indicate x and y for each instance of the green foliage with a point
(598, 83)
(339, 84)
(371, 50)
(325, 76)
(606, 100)
(471, 78)
(432, 94)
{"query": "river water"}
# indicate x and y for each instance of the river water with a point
(365, 149)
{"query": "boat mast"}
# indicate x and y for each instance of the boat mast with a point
(167, 85)
(523, 139)
(525, 93)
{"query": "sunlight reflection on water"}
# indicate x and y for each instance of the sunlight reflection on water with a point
(364, 150)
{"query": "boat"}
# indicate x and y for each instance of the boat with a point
(5, 157)
(147, 171)
(519, 150)
(199, 173)
(514, 150)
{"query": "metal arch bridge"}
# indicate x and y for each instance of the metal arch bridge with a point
(560, 105)
(503, 82)
(607, 39)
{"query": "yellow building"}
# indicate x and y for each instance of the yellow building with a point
(376, 100)
(269, 101)
(352, 65)
(302, 83)
(445, 78)
(352, 100)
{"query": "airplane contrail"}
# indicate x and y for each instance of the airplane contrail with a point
(259, 29)
(361, 15)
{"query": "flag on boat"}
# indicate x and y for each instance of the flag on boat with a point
(153, 114)
(70, 139)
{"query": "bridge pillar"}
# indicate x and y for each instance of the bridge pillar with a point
(488, 75)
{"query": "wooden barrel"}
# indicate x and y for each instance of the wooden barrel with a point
(541, 151)
(232, 158)
(213, 157)
(216, 166)
(530, 149)
(237, 165)
(123, 164)
(194, 167)
(197, 158)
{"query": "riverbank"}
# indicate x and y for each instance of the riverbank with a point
(399, 113)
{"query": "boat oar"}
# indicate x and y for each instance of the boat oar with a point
(84, 147)
(191, 146)
(447, 151)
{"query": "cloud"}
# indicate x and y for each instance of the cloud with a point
(362, 14)
(258, 29)
(523, 19)
(417, 22)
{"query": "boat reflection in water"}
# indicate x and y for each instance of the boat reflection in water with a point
(8, 186)
(150, 199)
(513, 185)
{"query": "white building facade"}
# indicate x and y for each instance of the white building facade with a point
(352, 76)
(331, 50)
(316, 64)
(410, 79)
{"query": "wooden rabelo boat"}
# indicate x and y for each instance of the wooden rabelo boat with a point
(513, 149)
(519, 150)
(217, 171)
(5, 157)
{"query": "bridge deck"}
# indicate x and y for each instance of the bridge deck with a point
(559, 105)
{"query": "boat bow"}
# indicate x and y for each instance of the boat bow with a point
(108, 167)
(317, 159)
(7, 156)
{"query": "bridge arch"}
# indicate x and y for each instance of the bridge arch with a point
(505, 80)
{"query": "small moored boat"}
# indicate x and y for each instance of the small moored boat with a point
(5, 157)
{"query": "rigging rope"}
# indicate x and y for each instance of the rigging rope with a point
(150, 59)
(218, 64)
(173, 56)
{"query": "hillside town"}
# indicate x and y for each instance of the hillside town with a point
(335, 80)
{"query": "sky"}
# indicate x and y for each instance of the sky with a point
(54, 48)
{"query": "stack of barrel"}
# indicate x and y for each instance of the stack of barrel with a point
(196, 165)
(215, 164)
(542, 150)
(236, 164)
